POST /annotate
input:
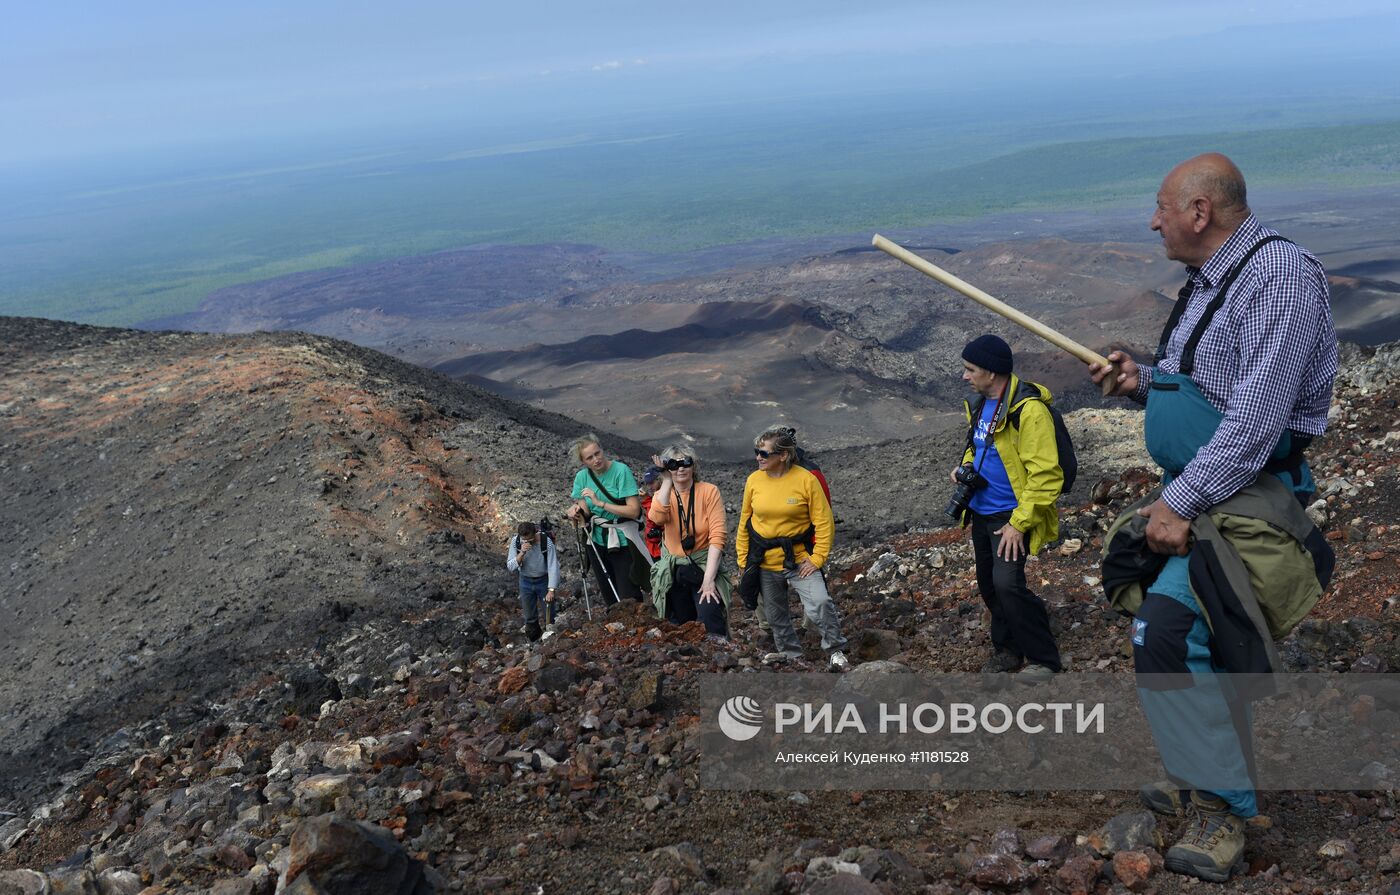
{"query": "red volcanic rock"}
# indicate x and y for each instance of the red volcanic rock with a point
(513, 681)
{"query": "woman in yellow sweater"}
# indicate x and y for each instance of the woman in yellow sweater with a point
(686, 583)
(786, 527)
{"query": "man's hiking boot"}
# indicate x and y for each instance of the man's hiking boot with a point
(533, 631)
(780, 658)
(1035, 674)
(1212, 844)
(1002, 661)
(1163, 797)
(838, 661)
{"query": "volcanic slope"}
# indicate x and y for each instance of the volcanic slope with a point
(482, 764)
(180, 509)
(850, 346)
(845, 343)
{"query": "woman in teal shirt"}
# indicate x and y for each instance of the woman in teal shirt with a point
(605, 498)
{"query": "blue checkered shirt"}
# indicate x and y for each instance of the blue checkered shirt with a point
(1267, 361)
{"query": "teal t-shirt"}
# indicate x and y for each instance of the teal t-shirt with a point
(617, 480)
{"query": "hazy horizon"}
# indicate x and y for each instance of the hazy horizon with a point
(86, 80)
(156, 154)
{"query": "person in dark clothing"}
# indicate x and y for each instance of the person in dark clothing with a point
(1012, 514)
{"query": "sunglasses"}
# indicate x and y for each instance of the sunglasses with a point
(674, 463)
(766, 454)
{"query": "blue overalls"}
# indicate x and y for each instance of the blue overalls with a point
(1203, 731)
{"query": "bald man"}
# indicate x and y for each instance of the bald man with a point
(1240, 385)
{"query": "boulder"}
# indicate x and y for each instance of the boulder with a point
(869, 671)
(555, 677)
(1000, 872)
(644, 692)
(70, 881)
(1132, 869)
(1130, 831)
(119, 882)
(11, 832)
(317, 793)
(308, 688)
(880, 864)
(823, 866)
(1005, 842)
(1079, 875)
(876, 643)
(843, 884)
(23, 882)
(346, 757)
(336, 854)
(1047, 848)
(513, 680)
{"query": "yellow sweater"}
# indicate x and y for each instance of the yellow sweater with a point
(784, 507)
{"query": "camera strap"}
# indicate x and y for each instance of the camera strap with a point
(608, 496)
(687, 524)
(991, 427)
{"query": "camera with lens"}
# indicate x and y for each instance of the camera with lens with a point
(688, 543)
(545, 528)
(969, 481)
(654, 532)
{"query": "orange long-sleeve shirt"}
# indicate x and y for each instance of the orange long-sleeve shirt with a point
(709, 518)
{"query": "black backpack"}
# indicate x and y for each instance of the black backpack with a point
(1064, 447)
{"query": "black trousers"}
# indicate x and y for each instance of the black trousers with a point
(615, 571)
(683, 605)
(1020, 624)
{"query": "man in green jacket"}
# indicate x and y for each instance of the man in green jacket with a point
(1013, 471)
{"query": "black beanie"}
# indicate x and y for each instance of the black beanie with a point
(990, 353)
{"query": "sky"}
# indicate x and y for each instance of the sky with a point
(83, 79)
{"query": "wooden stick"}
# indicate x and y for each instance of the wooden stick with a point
(1052, 336)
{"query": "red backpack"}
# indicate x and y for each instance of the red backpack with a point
(811, 466)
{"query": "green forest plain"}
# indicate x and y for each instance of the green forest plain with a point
(126, 246)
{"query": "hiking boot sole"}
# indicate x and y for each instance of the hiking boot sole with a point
(1209, 873)
(1033, 675)
(781, 658)
(1001, 667)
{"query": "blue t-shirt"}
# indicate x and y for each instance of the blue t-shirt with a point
(617, 480)
(997, 496)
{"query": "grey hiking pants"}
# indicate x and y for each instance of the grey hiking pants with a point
(816, 603)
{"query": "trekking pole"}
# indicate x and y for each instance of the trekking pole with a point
(583, 570)
(1054, 337)
(607, 572)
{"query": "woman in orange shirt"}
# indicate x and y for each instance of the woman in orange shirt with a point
(686, 583)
